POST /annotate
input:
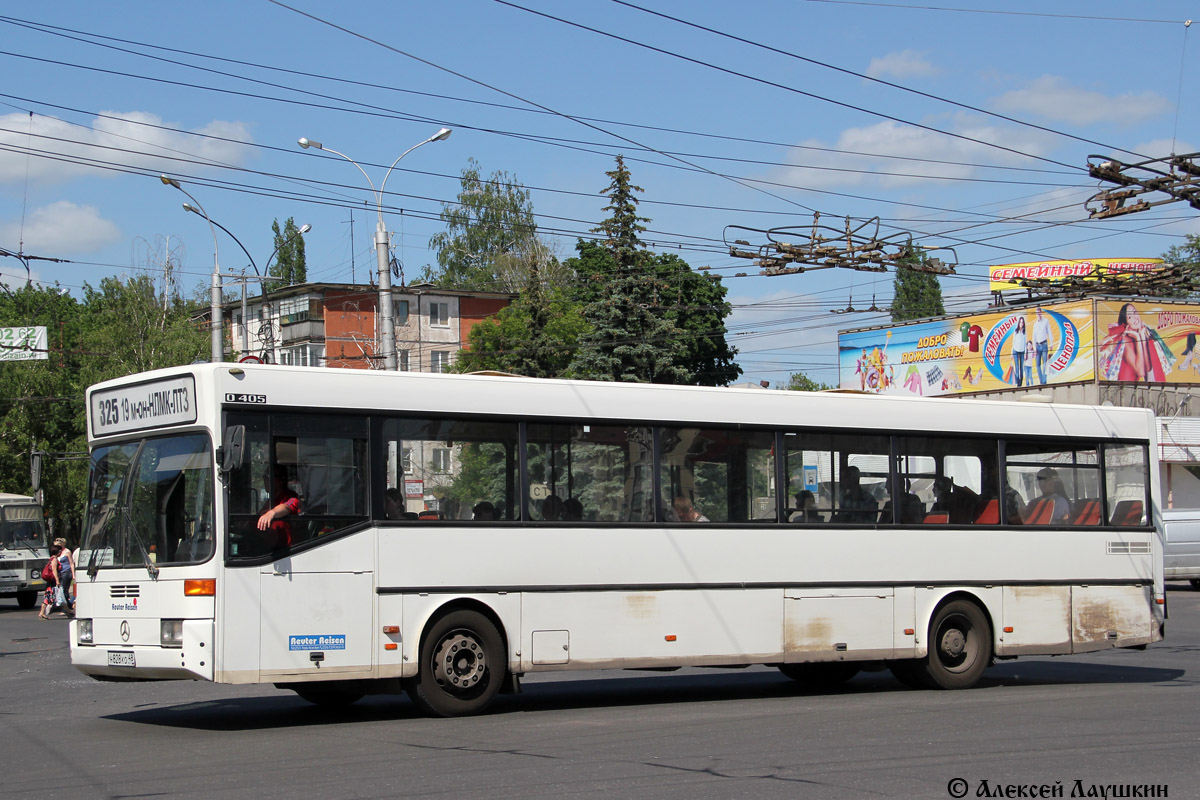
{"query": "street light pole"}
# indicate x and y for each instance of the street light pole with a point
(387, 328)
(218, 333)
(305, 228)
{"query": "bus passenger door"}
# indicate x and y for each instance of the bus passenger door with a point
(314, 623)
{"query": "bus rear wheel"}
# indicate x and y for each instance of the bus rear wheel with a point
(462, 666)
(960, 648)
(829, 673)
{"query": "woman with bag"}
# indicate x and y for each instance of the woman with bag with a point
(50, 576)
(66, 578)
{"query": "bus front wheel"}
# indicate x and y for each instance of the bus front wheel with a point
(462, 666)
(27, 599)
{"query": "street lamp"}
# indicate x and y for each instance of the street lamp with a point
(387, 330)
(305, 228)
(218, 338)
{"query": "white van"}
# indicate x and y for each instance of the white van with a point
(1181, 559)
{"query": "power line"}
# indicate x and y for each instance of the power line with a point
(777, 85)
(861, 75)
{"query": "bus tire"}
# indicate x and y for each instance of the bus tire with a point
(27, 600)
(327, 695)
(828, 673)
(462, 666)
(960, 646)
(1195, 585)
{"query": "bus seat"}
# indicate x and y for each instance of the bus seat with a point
(937, 519)
(1087, 512)
(1040, 511)
(990, 515)
(1127, 512)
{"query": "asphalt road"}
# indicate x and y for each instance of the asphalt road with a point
(1123, 718)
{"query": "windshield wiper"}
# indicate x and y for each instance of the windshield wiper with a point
(132, 532)
(105, 530)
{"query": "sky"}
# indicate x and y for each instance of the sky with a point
(965, 126)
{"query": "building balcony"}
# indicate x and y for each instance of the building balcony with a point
(303, 330)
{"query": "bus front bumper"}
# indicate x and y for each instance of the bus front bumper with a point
(109, 661)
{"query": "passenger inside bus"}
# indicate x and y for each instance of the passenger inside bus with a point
(910, 507)
(856, 503)
(552, 507)
(686, 512)
(284, 503)
(956, 503)
(806, 508)
(572, 509)
(393, 504)
(1052, 508)
(483, 512)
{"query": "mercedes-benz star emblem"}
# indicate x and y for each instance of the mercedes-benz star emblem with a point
(124, 630)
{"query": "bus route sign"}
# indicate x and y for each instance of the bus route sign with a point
(144, 405)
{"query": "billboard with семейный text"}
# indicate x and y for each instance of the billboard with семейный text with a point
(1007, 276)
(1030, 346)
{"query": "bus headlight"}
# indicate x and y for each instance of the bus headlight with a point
(171, 633)
(84, 626)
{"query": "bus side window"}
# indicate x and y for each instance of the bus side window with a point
(1053, 481)
(595, 473)
(718, 475)
(450, 470)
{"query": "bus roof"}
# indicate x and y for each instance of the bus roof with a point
(315, 388)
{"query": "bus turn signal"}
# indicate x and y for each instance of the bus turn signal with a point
(200, 587)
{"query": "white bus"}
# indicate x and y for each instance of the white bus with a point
(449, 534)
(23, 548)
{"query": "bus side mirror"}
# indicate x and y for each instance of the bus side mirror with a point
(233, 448)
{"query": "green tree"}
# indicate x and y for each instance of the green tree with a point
(629, 338)
(799, 382)
(124, 326)
(491, 241)
(916, 294)
(1187, 257)
(696, 303)
(536, 336)
(290, 265)
(693, 302)
(41, 402)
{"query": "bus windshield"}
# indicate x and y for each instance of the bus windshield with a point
(22, 527)
(150, 503)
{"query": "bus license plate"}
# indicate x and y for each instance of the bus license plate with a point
(120, 658)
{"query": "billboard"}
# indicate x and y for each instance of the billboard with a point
(24, 344)
(1147, 342)
(1030, 346)
(1006, 276)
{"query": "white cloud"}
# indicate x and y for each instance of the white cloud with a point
(62, 227)
(902, 64)
(61, 151)
(903, 155)
(1053, 98)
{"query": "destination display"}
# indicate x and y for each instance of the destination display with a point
(145, 405)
